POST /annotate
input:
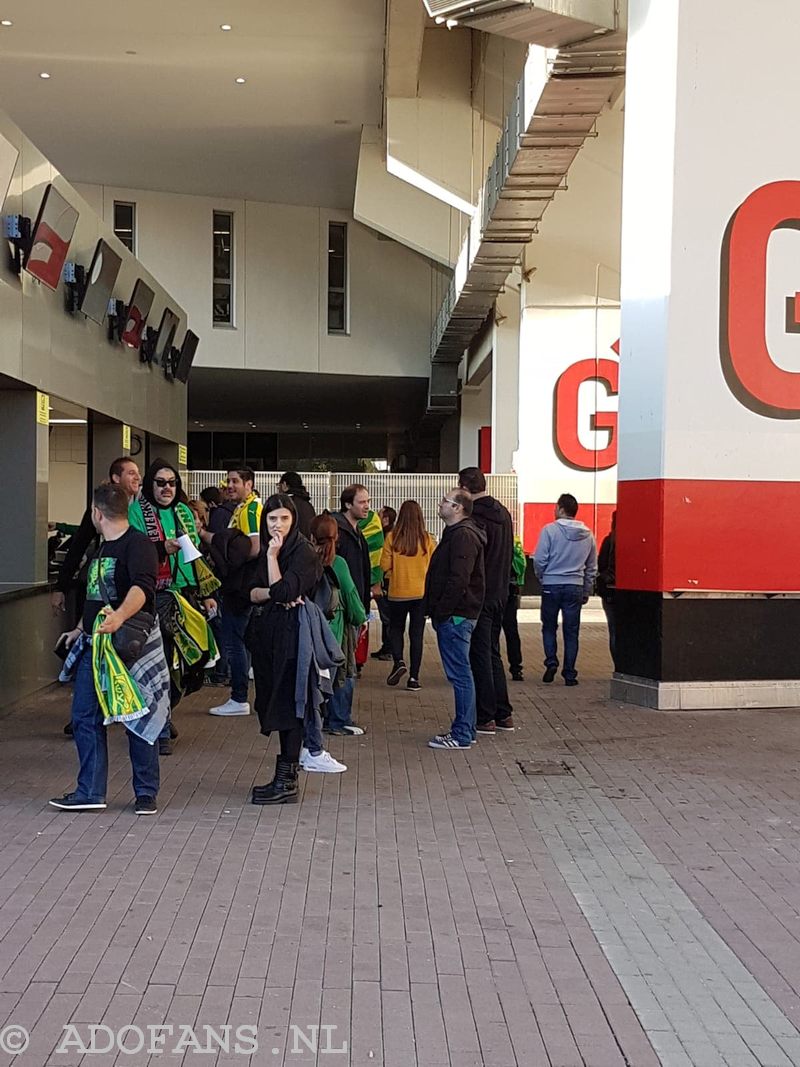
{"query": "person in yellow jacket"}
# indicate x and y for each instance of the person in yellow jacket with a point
(405, 560)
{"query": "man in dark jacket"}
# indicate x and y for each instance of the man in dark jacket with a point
(494, 708)
(352, 547)
(454, 592)
(292, 485)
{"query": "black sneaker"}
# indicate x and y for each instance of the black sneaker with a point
(413, 685)
(145, 806)
(173, 733)
(549, 674)
(164, 746)
(397, 673)
(68, 729)
(570, 681)
(382, 654)
(72, 802)
(516, 676)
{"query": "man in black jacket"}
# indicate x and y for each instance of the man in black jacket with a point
(292, 485)
(352, 547)
(494, 708)
(454, 591)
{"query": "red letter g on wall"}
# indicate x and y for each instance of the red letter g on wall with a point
(750, 371)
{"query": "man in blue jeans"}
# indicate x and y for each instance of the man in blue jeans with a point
(565, 562)
(455, 586)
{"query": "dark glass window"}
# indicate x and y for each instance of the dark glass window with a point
(337, 277)
(125, 224)
(222, 293)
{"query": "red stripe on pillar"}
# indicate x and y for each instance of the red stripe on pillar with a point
(715, 535)
(596, 516)
(485, 449)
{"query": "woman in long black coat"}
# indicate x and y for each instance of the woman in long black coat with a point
(288, 569)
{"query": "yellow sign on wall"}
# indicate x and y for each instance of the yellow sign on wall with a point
(126, 438)
(183, 456)
(42, 409)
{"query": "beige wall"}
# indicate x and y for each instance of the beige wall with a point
(68, 479)
(281, 285)
(69, 356)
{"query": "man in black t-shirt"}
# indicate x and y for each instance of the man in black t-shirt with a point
(122, 575)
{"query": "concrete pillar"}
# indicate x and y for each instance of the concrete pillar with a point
(709, 496)
(106, 443)
(24, 470)
(505, 377)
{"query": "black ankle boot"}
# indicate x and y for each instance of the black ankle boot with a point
(283, 787)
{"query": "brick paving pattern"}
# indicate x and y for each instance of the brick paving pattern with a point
(430, 908)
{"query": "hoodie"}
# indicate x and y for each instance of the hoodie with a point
(495, 520)
(566, 555)
(455, 582)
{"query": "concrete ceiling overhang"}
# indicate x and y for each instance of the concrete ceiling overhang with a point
(143, 94)
(549, 23)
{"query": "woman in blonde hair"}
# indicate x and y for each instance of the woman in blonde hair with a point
(406, 556)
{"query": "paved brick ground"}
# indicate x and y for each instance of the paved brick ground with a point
(435, 908)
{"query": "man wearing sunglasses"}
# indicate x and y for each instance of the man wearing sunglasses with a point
(163, 517)
(454, 590)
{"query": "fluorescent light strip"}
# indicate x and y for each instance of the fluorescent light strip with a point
(66, 422)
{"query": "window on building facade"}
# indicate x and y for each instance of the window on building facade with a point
(337, 277)
(222, 297)
(125, 224)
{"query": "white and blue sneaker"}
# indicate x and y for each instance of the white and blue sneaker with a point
(447, 741)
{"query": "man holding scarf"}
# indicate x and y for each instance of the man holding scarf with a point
(160, 515)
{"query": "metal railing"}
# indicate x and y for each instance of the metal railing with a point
(390, 490)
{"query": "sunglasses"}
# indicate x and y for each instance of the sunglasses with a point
(162, 483)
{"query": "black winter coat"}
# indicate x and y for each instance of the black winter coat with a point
(496, 522)
(455, 583)
(272, 635)
(352, 547)
(304, 508)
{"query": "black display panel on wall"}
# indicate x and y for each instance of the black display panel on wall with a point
(100, 281)
(188, 349)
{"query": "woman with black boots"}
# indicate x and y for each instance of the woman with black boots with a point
(288, 570)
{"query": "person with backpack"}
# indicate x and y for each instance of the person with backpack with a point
(343, 607)
(405, 560)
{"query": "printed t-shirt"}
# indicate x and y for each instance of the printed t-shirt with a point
(117, 566)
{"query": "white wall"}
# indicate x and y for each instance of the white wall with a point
(476, 411)
(281, 285)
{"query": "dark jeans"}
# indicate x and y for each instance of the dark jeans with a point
(220, 671)
(611, 619)
(312, 732)
(234, 626)
(567, 599)
(340, 705)
(491, 689)
(399, 611)
(454, 644)
(511, 631)
(383, 611)
(91, 740)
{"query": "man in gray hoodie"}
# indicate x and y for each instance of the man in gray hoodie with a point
(565, 562)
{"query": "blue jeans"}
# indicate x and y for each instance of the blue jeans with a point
(568, 599)
(234, 626)
(340, 705)
(312, 732)
(91, 740)
(454, 641)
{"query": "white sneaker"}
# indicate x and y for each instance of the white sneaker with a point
(324, 762)
(230, 707)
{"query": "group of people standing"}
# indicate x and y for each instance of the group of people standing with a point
(229, 587)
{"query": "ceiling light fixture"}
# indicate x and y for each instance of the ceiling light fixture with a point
(6, 22)
(225, 27)
(44, 75)
(241, 81)
(67, 422)
(451, 24)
